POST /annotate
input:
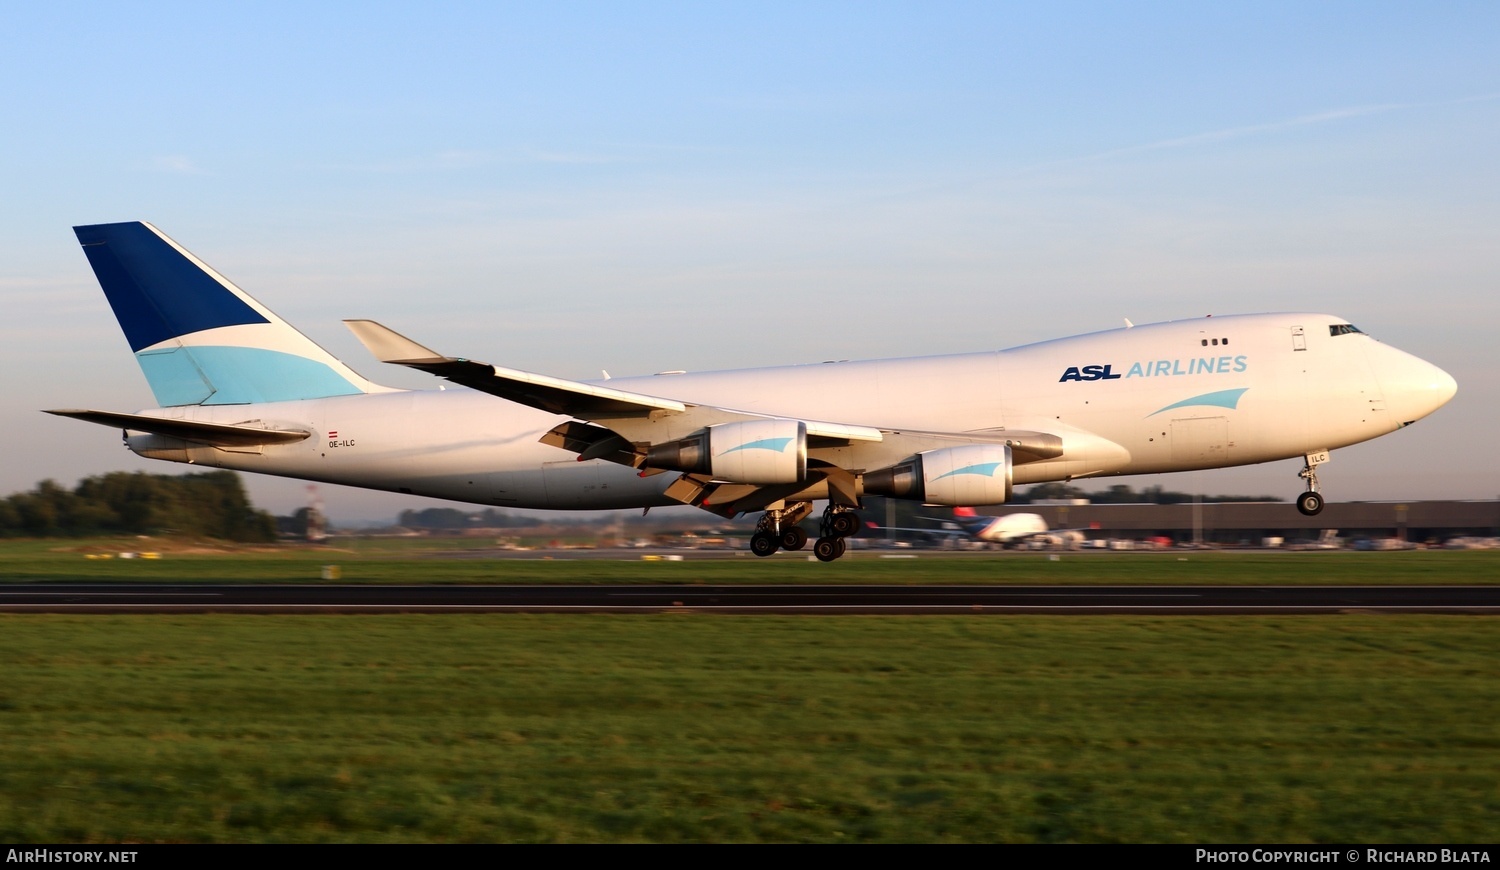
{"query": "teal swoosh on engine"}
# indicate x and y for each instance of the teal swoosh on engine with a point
(776, 444)
(986, 469)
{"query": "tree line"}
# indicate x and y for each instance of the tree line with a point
(214, 504)
(449, 518)
(211, 504)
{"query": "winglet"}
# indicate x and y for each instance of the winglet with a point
(390, 346)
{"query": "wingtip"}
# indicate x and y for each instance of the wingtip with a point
(388, 345)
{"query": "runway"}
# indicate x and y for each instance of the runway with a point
(748, 599)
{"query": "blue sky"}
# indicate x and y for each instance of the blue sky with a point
(639, 187)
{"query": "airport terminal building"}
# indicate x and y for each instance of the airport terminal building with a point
(1251, 523)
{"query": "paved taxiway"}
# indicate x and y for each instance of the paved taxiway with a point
(886, 599)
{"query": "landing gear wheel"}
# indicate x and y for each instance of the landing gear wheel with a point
(763, 543)
(793, 538)
(843, 524)
(828, 549)
(1310, 504)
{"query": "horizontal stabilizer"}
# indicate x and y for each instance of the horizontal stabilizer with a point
(213, 434)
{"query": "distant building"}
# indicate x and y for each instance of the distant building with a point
(1251, 522)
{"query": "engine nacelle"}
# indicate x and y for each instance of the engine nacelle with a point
(958, 476)
(755, 451)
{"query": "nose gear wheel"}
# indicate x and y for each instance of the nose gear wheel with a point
(1310, 503)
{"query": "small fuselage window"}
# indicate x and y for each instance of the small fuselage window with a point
(1344, 329)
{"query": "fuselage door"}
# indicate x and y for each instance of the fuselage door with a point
(1299, 339)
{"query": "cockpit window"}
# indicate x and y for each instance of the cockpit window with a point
(1344, 329)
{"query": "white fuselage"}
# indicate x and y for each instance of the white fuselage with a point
(1202, 393)
(1007, 529)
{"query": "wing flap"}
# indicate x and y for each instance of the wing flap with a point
(592, 442)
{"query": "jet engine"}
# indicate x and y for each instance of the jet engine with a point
(754, 451)
(967, 475)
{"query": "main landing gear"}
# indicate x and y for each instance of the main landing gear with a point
(1310, 503)
(778, 530)
(839, 522)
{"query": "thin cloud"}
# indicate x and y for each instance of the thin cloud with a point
(452, 158)
(1231, 133)
(569, 157)
(176, 163)
(463, 159)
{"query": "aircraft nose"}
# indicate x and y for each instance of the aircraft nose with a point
(1428, 388)
(1413, 387)
(1441, 387)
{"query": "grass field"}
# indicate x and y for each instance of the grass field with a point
(693, 728)
(451, 561)
(690, 728)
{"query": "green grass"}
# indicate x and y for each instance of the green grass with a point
(448, 561)
(1342, 729)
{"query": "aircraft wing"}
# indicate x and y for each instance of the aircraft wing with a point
(654, 433)
(555, 395)
(213, 434)
(561, 396)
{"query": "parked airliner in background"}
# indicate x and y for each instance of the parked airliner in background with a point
(1010, 530)
(239, 388)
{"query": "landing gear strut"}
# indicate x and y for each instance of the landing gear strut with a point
(839, 522)
(777, 529)
(1310, 503)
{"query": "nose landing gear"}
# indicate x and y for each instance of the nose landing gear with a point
(1310, 503)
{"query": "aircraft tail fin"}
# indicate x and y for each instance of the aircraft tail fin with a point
(199, 339)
